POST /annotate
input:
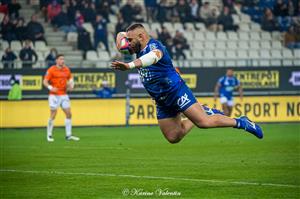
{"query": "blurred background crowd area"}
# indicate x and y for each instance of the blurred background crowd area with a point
(197, 33)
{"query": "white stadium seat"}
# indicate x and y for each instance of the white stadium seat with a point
(209, 45)
(221, 45)
(211, 36)
(232, 45)
(244, 36)
(254, 45)
(16, 45)
(103, 55)
(92, 55)
(243, 45)
(276, 57)
(221, 36)
(265, 44)
(232, 36)
(266, 36)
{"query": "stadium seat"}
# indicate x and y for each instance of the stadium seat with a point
(236, 19)
(189, 27)
(276, 57)
(201, 26)
(155, 26)
(221, 45)
(288, 57)
(243, 36)
(146, 26)
(88, 27)
(297, 53)
(244, 27)
(208, 57)
(198, 45)
(187, 54)
(209, 45)
(245, 18)
(92, 55)
(232, 35)
(254, 57)
(265, 57)
(266, 35)
(232, 45)
(197, 54)
(169, 26)
(195, 63)
(179, 26)
(72, 37)
(189, 35)
(265, 44)
(102, 64)
(243, 45)
(276, 35)
(113, 18)
(276, 45)
(255, 27)
(40, 46)
(103, 55)
(4, 44)
(254, 45)
(199, 36)
(221, 36)
(254, 36)
(230, 58)
(211, 36)
(16, 45)
(296, 57)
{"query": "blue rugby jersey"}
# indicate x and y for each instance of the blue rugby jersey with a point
(228, 84)
(160, 78)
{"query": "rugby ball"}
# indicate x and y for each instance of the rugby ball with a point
(122, 43)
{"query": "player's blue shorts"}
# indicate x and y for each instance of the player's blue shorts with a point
(172, 103)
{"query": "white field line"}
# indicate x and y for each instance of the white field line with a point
(151, 177)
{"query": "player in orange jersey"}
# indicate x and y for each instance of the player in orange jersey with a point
(58, 80)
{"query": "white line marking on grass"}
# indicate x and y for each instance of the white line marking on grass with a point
(152, 177)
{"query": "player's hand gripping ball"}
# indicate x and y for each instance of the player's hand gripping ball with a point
(122, 43)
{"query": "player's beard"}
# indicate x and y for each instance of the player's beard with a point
(136, 48)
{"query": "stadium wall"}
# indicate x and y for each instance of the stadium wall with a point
(97, 112)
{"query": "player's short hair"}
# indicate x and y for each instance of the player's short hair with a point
(59, 55)
(135, 26)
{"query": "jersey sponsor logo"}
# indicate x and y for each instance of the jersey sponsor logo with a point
(152, 46)
(183, 100)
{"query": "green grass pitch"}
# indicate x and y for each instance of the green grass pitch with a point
(137, 162)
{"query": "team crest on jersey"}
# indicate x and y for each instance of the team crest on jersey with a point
(183, 100)
(152, 46)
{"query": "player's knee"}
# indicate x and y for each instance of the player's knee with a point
(69, 115)
(174, 137)
(173, 140)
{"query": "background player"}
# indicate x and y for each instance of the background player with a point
(58, 80)
(170, 92)
(225, 87)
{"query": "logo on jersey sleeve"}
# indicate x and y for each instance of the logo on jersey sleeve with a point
(152, 46)
(183, 100)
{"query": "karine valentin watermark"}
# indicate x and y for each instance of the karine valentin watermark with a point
(164, 192)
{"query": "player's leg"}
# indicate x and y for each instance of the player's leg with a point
(223, 101)
(53, 104)
(230, 104)
(174, 129)
(66, 107)
(198, 116)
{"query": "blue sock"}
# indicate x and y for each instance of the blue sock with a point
(240, 124)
